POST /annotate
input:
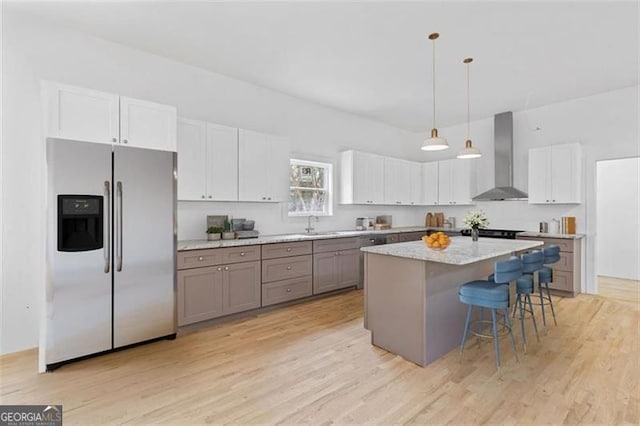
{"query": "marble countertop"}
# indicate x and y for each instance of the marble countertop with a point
(286, 238)
(548, 235)
(462, 250)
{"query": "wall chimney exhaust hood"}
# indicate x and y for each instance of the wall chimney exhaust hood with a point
(503, 140)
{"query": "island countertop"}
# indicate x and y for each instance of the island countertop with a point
(462, 251)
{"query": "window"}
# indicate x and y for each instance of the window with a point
(310, 188)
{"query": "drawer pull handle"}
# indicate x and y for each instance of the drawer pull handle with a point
(288, 248)
(288, 290)
(200, 258)
(219, 268)
(226, 268)
(288, 268)
(242, 254)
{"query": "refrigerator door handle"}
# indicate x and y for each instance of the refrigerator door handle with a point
(119, 231)
(107, 248)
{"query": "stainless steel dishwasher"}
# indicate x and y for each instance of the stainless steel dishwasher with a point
(366, 241)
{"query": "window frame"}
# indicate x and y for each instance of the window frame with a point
(328, 188)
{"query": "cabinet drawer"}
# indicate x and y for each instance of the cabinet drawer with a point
(272, 251)
(411, 236)
(286, 267)
(241, 254)
(282, 291)
(199, 258)
(335, 244)
(562, 280)
(565, 263)
(564, 244)
(393, 238)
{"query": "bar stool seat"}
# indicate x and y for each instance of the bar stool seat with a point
(495, 296)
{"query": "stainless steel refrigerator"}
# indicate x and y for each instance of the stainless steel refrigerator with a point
(111, 249)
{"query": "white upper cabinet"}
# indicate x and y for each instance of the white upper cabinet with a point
(148, 125)
(207, 161)
(362, 178)
(222, 163)
(430, 183)
(192, 160)
(396, 181)
(415, 183)
(91, 116)
(81, 114)
(555, 174)
(454, 182)
(263, 167)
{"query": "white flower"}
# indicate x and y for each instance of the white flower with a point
(476, 219)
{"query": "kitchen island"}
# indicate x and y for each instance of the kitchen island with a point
(411, 292)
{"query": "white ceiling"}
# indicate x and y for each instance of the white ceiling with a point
(374, 58)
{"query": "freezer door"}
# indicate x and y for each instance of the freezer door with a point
(144, 245)
(78, 285)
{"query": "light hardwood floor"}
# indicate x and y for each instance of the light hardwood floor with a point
(620, 289)
(313, 363)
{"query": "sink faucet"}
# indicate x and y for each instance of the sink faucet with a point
(309, 228)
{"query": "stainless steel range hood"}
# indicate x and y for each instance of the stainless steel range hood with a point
(503, 140)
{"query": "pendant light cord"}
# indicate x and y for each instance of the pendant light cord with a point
(468, 105)
(434, 83)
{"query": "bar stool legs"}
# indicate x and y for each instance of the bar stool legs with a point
(521, 307)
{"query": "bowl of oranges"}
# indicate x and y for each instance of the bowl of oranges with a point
(437, 241)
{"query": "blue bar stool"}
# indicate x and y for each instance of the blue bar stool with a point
(531, 262)
(545, 276)
(495, 296)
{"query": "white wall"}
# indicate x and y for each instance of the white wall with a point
(35, 50)
(618, 220)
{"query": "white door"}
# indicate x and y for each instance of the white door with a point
(253, 166)
(539, 175)
(192, 159)
(375, 178)
(222, 163)
(415, 183)
(445, 185)
(396, 181)
(279, 169)
(79, 114)
(145, 124)
(430, 183)
(461, 181)
(564, 174)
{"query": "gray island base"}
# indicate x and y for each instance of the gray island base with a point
(411, 292)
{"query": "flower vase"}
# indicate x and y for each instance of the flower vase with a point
(474, 234)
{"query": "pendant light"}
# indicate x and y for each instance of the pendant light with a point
(435, 142)
(469, 151)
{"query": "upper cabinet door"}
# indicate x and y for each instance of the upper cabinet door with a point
(445, 184)
(80, 114)
(279, 169)
(253, 166)
(396, 181)
(222, 163)
(539, 176)
(430, 183)
(461, 181)
(415, 183)
(146, 124)
(566, 173)
(192, 160)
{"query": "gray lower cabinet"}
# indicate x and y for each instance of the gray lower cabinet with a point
(199, 294)
(335, 270)
(241, 287)
(285, 290)
(206, 292)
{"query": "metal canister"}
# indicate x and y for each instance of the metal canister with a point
(544, 227)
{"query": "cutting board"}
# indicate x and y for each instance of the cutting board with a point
(439, 218)
(428, 220)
